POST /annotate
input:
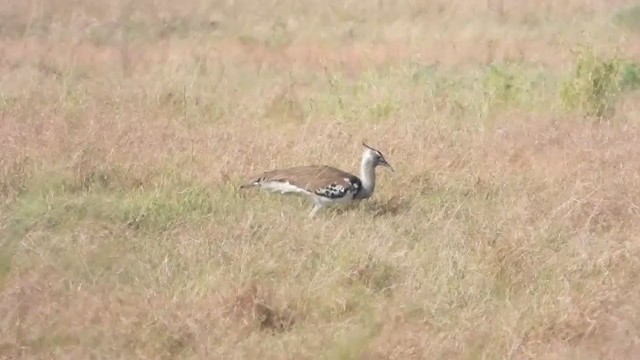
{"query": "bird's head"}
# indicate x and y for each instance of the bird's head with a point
(375, 157)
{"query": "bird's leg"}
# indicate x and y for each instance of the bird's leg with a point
(315, 209)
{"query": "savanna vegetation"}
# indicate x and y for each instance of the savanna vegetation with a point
(509, 230)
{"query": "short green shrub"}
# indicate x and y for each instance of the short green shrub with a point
(501, 87)
(594, 85)
(628, 18)
(630, 76)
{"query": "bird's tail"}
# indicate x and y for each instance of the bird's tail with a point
(251, 181)
(249, 184)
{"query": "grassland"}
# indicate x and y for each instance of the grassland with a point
(510, 229)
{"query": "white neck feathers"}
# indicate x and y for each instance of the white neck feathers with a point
(367, 176)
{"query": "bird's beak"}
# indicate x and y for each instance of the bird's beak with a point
(386, 164)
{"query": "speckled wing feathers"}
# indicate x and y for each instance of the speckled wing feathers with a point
(321, 180)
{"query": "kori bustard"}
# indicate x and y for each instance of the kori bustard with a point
(324, 185)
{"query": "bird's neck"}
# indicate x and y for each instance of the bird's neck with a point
(368, 178)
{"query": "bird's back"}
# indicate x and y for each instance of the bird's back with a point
(321, 180)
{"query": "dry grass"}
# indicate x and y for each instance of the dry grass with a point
(509, 229)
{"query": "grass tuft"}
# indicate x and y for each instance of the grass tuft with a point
(594, 86)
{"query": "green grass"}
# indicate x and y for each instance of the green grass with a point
(595, 85)
(58, 202)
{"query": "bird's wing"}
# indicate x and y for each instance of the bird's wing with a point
(321, 180)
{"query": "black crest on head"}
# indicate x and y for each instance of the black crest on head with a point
(370, 148)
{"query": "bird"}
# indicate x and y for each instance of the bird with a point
(322, 184)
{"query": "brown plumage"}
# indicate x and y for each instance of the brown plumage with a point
(324, 184)
(311, 178)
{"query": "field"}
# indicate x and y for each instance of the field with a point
(509, 230)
